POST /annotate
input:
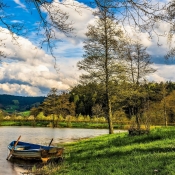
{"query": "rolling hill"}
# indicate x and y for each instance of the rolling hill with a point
(11, 103)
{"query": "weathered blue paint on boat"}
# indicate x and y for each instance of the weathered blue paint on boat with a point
(33, 151)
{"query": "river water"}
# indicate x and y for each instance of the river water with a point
(39, 136)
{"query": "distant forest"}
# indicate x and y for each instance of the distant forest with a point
(12, 103)
(150, 103)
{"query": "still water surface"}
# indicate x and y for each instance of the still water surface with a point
(38, 136)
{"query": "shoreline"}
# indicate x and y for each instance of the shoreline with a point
(83, 125)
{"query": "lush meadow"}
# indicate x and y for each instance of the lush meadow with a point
(120, 154)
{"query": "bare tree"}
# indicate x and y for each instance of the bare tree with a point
(170, 17)
(141, 14)
(12, 27)
(57, 19)
(138, 62)
(51, 19)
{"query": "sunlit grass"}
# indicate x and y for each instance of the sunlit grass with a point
(8, 123)
(45, 123)
(91, 125)
(120, 154)
(50, 169)
(25, 113)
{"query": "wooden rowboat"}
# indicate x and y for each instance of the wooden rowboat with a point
(26, 150)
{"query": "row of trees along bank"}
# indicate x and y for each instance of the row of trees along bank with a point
(150, 104)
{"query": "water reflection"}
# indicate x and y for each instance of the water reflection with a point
(21, 166)
(16, 169)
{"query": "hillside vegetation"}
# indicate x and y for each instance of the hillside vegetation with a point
(150, 104)
(11, 103)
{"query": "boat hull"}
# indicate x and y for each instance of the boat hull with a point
(27, 154)
(26, 150)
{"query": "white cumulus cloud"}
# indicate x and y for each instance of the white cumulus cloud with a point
(28, 70)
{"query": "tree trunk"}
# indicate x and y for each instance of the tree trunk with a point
(165, 116)
(109, 110)
(53, 120)
(164, 106)
(137, 121)
(109, 115)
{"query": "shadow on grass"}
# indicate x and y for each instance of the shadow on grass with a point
(120, 146)
(103, 153)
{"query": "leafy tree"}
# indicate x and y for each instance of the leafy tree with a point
(64, 106)
(35, 111)
(138, 67)
(97, 110)
(133, 103)
(164, 104)
(170, 103)
(101, 53)
(49, 104)
(85, 96)
(161, 93)
(55, 104)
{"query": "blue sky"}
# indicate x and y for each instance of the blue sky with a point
(28, 69)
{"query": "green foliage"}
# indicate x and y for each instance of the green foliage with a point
(69, 124)
(35, 111)
(97, 110)
(102, 54)
(16, 123)
(41, 116)
(148, 97)
(11, 103)
(25, 113)
(57, 104)
(80, 118)
(16, 102)
(89, 125)
(88, 95)
(122, 155)
(11, 108)
(153, 101)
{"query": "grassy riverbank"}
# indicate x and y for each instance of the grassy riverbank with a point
(120, 154)
(62, 124)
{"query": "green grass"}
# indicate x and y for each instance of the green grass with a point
(25, 113)
(8, 123)
(16, 123)
(46, 123)
(11, 108)
(120, 154)
(89, 125)
(24, 123)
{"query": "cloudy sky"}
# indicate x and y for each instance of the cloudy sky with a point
(28, 69)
